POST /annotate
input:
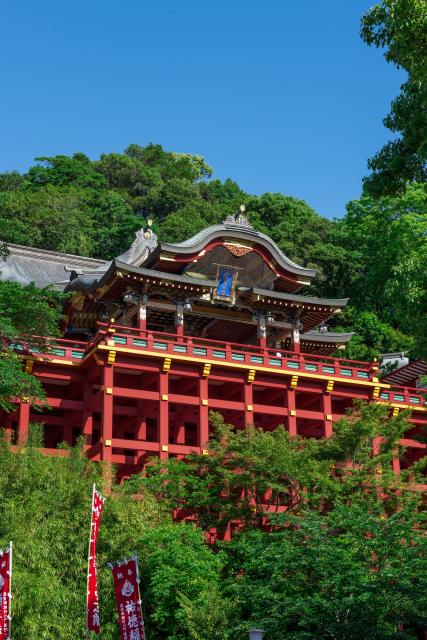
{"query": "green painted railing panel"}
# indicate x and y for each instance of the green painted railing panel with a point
(239, 357)
(291, 364)
(139, 343)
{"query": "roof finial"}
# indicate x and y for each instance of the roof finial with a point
(238, 219)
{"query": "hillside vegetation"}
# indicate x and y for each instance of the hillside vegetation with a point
(346, 561)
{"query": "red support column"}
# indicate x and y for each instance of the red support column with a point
(396, 464)
(262, 332)
(327, 413)
(87, 422)
(23, 420)
(142, 317)
(107, 413)
(295, 342)
(179, 321)
(292, 412)
(67, 433)
(248, 398)
(180, 428)
(141, 432)
(203, 413)
(164, 415)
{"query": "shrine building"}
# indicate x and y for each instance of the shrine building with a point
(164, 333)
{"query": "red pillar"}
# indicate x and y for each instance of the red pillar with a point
(327, 413)
(142, 317)
(292, 413)
(203, 412)
(87, 423)
(180, 428)
(179, 321)
(248, 399)
(23, 420)
(141, 432)
(396, 464)
(107, 413)
(262, 332)
(164, 415)
(295, 342)
(67, 433)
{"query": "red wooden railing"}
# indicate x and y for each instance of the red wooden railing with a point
(198, 348)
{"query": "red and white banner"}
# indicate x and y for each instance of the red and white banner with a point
(92, 609)
(5, 592)
(126, 588)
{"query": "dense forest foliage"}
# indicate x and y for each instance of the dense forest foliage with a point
(346, 561)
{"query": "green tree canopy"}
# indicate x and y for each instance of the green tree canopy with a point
(399, 27)
(27, 314)
(346, 560)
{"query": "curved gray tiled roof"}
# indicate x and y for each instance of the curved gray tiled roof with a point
(43, 267)
(240, 231)
(27, 264)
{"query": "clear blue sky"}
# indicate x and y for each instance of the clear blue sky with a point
(276, 94)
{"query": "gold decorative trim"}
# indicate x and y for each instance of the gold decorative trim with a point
(251, 375)
(237, 250)
(294, 382)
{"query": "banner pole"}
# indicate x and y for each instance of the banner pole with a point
(139, 592)
(10, 590)
(88, 561)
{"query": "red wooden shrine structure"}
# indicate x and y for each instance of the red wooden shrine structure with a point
(165, 333)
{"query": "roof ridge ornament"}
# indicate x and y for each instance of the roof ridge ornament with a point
(145, 241)
(238, 219)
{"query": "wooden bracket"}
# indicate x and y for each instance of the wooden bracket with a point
(111, 358)
(251, 375)
(294, 382)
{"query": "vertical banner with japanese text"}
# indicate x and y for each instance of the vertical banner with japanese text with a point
(92, 609)
(126, 588)
(5, 592)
